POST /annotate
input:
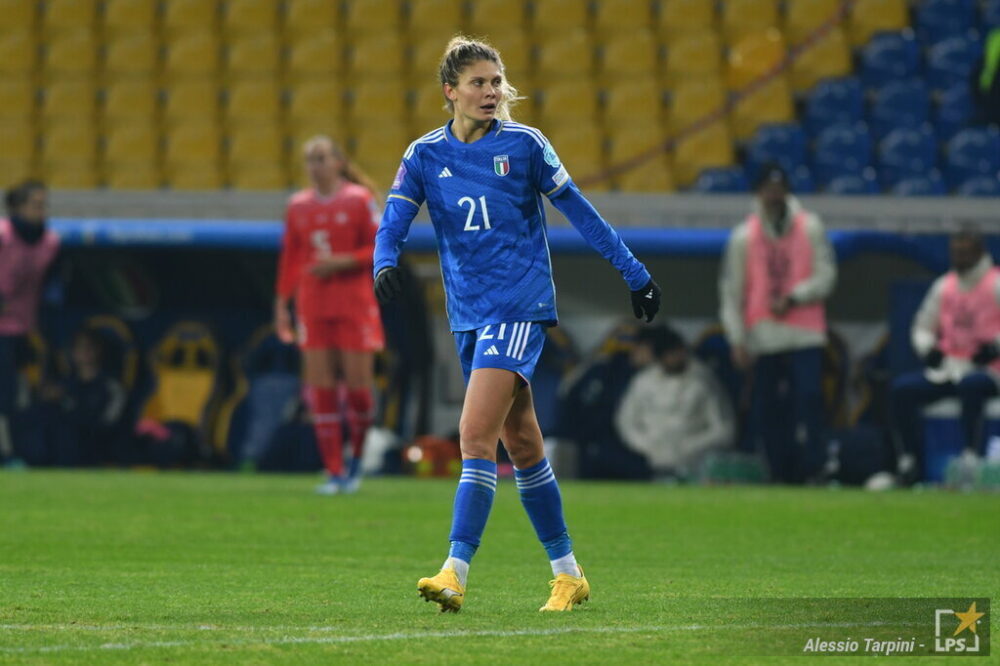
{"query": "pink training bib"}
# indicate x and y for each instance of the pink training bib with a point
(967, 319)
(22, 270)
(773, 267)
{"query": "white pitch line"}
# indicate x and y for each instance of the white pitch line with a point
(366, 638)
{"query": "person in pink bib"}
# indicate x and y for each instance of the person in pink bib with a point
(956, 333)
(777, 270)
(27, 251)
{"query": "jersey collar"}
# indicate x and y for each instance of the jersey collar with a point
(493, 131)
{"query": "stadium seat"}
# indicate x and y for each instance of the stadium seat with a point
(250, 17)
(770, 103)
(980, 186)
(804, 17)
(566, 55)
(854, 184)
(629, 56)
(19, 96)
(378, 150)
(614, 17)
(253, 56)
(487, 16)
(651, 176)
(316, 56)
(634, 101)
(841, 150)
(829, 57)
(317, 98)
(131, 144)
(192, 143)
(371, 18)
(741, 18)
(258, 176)
(990, 17)
(131, 55)
(833, 101)
(185, 16)
(906, 153)
(926, 185)
(888, 57)
(871, 16)
(377, 102)
(255, 145)
(140, 176)
(953, 110)
(693, 56)
(782, 144)
(629, 141)
(570, 101)
(684, 17)
(194, 176)
(428, 109)
(514, 47)
(185, 364)
(70, 98)
(65, 15)
(71, 54)
(428, 15)
(695, 101)
(307, 18)
(970, 153)
(710, 147)
(68, 145)
(18, 52)
(937, 20)
(192, 54)
(722, 180)
(19, 14)
(580, 148)
(188, 100)
(128, 18)
(950, 61)
(253, 101)
(377, 55)
(130, 99)
(554, 18)
(13, 170)
(900, 104)
(801, 181)
(753, 57)
(18, 140)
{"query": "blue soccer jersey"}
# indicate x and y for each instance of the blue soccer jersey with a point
(485, 202)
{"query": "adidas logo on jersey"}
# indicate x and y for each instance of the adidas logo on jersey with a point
(445, 173)
(492, 351)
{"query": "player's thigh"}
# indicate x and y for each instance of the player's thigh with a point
(488, 399)
(521, 434)
(359, 368)
(320, 366)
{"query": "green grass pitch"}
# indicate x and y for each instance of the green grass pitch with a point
(108, 567)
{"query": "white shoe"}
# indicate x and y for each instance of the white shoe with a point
(351, 485)
(330, 487)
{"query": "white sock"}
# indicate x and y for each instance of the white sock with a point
(565, 565)
(461, 568)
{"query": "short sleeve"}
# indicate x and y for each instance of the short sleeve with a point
(550, 175)
(408, 184)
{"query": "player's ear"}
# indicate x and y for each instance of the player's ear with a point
(450, 92)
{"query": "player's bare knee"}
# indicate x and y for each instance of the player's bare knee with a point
(477, 439)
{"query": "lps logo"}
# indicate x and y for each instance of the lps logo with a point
(957, 640)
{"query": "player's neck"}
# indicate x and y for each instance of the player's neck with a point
(327, 190)
(468, 130)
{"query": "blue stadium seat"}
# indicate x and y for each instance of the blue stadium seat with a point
(980, 186)
(722, 180)
(900, 104)
(928, 185)
(841, 150)
(950, 61)
(991, 16)
(888, 57)
(953, 110)
(970, 153)
(781, 143)
(863, 183)
(801, 181)
(941, 19)
(833, 101)
(906, 153)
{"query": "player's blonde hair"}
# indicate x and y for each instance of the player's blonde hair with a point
(349, 169)
(461, 52)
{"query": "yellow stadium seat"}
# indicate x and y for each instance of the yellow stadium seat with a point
(198, 176)
(72, 54)
(196, 141)
(69, 175)
(377, 55)
(131, 99)
(189, 100)
(638, 102)
(131, 55)
(379, 102)
(71, 98)
(19, 14)
(683, 17)
(744, 17)
(19, 96)
(193, 54)
(650, 177)
(630, 141)
(124, 18)
(133, 176)
(263, 143)
(185, 363)
(369, 18)
(316, 98)
(309, 17)
(316, 56)
(185, 16)
(556, 17)
(710, 147)
(771, 103)
(515, 51)
(131, 143)
(693, 56)
(427, 15)
(828, 57)
(570, 54)
(694, 101)
(17, 52)
(580, 148)
(255, 101)
(15, 170)
(630, 56)
(62, 15)
(802, 17)
(258, 176)
(378, 151)
(753, 56)
(18, 139)
(487, 16)
(570, 101)
(250, 17)
(69, 141)
(253, 56)
(622, 16)
(871, 16)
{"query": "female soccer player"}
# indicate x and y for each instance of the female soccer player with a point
(325, 263)
(483, 177)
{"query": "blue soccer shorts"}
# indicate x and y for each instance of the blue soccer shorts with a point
(514, 346)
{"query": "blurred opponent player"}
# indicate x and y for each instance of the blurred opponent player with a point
(325, 267)
(483, 177)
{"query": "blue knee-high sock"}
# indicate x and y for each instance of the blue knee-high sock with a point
(543, 502)
(473, 501)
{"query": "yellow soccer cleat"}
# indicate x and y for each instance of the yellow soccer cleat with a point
(444, 590)
(567, 591)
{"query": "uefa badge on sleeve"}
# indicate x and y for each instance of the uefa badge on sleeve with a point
(501, 164)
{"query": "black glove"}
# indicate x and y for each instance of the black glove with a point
(986, 354)
(646, 301)
(933, 358)
(388, 285)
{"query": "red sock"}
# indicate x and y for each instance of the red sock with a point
(328, 426)
(360, 408)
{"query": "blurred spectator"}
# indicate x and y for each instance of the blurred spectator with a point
(27, 252)
(777, 270)
(674, 412)
(956, 332)
(986, 80)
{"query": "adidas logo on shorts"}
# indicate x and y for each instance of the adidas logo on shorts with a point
(492, 351)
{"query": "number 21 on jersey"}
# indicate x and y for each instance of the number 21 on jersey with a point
(470, 217)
